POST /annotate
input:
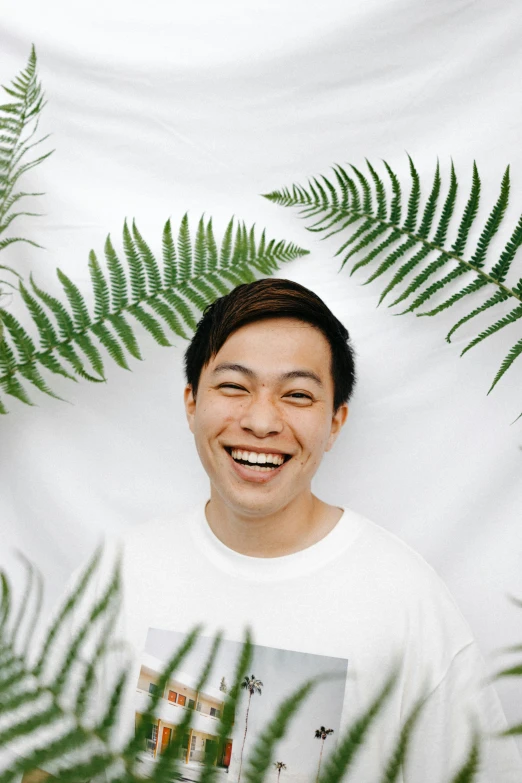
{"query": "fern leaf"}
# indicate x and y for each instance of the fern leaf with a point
(467, 773)
(119, 291)
(21, 339)
(372, 229)
(363, 228)
(366, 206)
(18, 125)
(99, 610)
(63, 319)
(200, 249)
(50, 361)
(261, 755)
(125, 333)
(12, 386)
(470, 212)
(48, 336)
(7, 358)
(370, 237)
(431, 206)
(501, 268)
(67, 351)
(213, 255)
(111, 344)
(180, 305)
(421, 278)
(149, 322)
(66, 610)
(413, 202)
(226, 722)
(148, 261)
(92, 353)
(114, 709)
(395, 206)
(476, 285)
(197, 276)
(506, 364)
(493, 222)
(510, 318)
(100, 288)
(81, 315)
(169, 316)
(184, 249)
(396, 761)
(405, 269)
(31, 374)
(391, 259)
(169, 257)
(169, 761)
(175, 661)
(340, 760)
(136, 269)
(438, 285)
(193, 296)
(382, 206)
(226, 246)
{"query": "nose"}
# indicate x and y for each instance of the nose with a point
(261, 417)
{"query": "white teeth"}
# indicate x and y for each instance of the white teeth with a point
(253, 457)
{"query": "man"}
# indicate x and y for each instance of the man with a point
(270, 372)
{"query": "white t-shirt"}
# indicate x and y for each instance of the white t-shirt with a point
(351, 604)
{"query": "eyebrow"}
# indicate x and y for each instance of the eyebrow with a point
(286, 376)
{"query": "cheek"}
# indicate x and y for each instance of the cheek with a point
(211, 418)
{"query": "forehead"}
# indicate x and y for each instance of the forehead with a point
(276, 344)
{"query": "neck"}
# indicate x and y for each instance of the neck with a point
(301, 523)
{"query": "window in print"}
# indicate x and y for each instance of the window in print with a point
(153, 688)
(214, 712)
(181, 699)
(173, 695)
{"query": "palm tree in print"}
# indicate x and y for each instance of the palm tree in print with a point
(321, 734)
(279, 766)
(252, 686)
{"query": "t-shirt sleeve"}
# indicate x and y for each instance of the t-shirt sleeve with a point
(463, 702)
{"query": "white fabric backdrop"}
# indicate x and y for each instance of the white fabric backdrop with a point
(161, 107)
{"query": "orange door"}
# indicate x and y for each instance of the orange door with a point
(165, 738)
(227, 755)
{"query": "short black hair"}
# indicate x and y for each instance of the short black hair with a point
(271, 298)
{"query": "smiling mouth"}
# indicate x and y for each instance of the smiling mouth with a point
(263, 462)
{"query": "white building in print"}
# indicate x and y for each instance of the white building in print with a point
(179, 695)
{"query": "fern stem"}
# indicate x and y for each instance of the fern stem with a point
(432, 246)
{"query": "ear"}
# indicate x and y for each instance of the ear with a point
(190, 406)
(338, 420)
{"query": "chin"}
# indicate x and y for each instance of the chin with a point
(254, 504)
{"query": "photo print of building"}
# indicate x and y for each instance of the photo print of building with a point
(275, 674)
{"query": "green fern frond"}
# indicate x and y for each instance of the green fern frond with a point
(468, 772)
(397, 758)
(160, 300)
(414, 249)
(352, 740)
(261, 755)
(226, 722)
(18, 127)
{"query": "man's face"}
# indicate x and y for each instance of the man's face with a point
(265, 399)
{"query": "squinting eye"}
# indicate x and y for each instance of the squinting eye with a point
(230, 386)
(300, 395)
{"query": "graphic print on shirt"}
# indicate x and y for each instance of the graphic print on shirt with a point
(274, 675)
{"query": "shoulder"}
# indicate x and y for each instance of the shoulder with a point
(404, 583)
